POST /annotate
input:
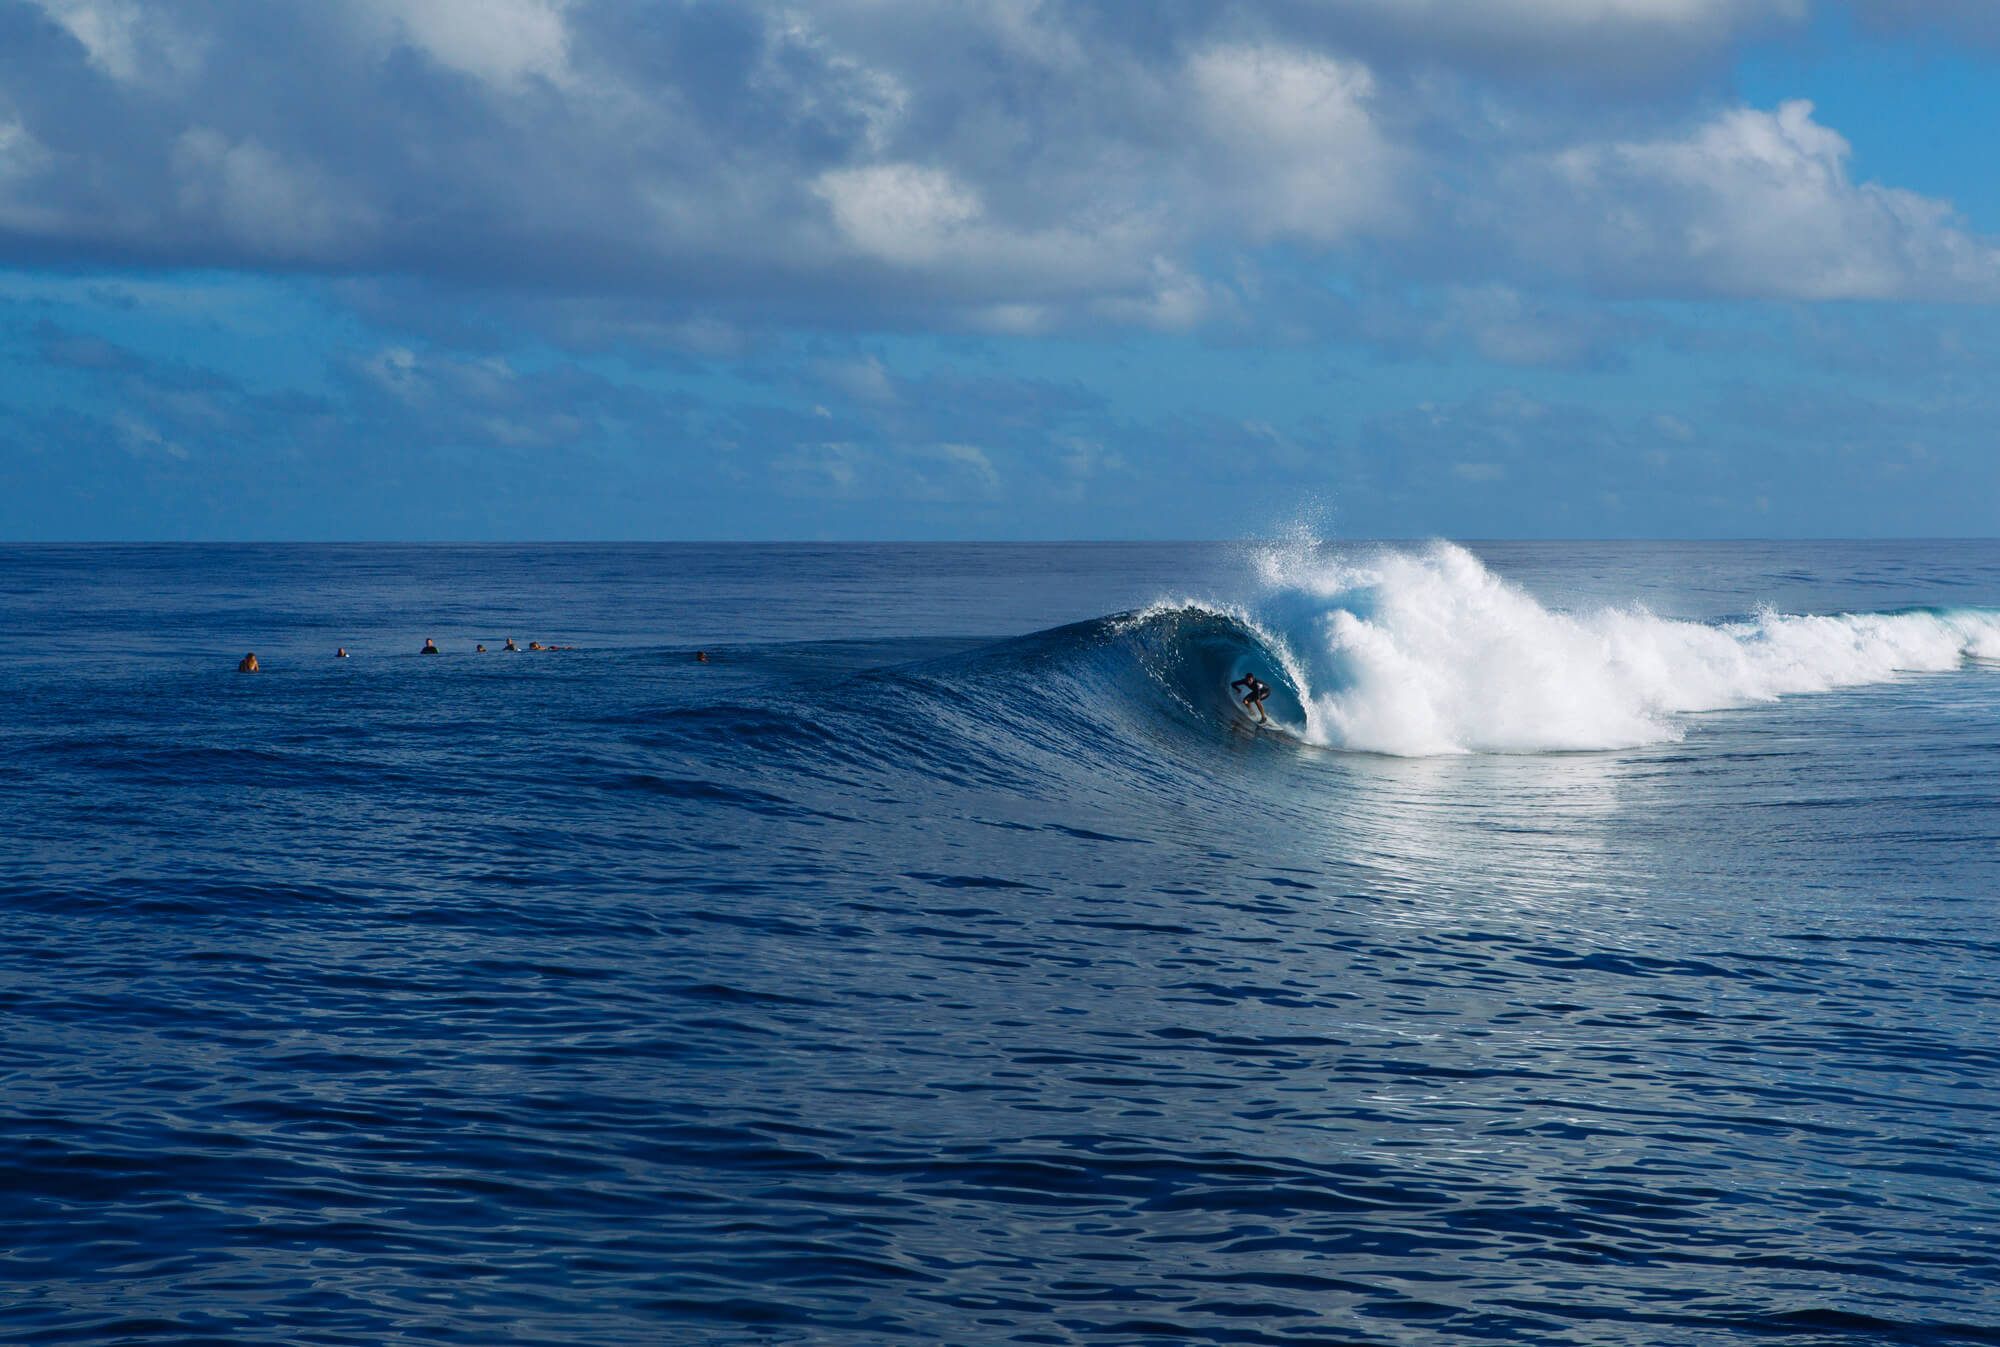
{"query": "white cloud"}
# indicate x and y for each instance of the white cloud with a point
(686, 177)
(127, 40)
(486, 402)
(1752, 204)
(500, 41)
(830, 468)
(925, 220)
(904, 214)
(105, 28)
(944, 473)
(277, 210)
(1671, 426)
(1586, 15)
(1084, 461)
(20, 153)
(396, 370)
(415, 380)
(141, 438)
(953, 472)
(1176, 301)
(802, 66)
(1603, 44)
(1012, 320)
(1299, 152)
(1508, 328)
(866, 381)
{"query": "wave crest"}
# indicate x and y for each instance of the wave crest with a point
(1428, 652)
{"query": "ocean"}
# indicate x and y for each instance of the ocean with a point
(1600, 946)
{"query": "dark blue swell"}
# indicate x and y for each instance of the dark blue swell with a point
(885, 979)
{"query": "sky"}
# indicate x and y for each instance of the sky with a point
(877, 269)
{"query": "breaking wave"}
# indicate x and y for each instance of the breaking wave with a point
(1428, 652)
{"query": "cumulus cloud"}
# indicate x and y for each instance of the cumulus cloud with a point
(901, 213)
(500, 41)
(1756, 204)
(678, 175)
(272, 209)
(1297, 152)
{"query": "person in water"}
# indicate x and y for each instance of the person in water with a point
(1255, 691)
(511, 646)
(340, 653)
(430, 647)
(248, 665)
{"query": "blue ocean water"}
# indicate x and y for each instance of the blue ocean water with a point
(1602, 946)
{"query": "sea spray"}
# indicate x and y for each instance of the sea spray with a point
(1421, 652)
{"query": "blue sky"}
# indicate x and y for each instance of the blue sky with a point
(525, 269)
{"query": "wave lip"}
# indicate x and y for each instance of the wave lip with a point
(1428, 652)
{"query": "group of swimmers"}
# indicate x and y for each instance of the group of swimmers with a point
(430, 648)
(249, 662)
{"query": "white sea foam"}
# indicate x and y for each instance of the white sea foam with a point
(1428, 652)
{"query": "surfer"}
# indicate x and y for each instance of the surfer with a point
(341, 653)
(430, 647)
(1256, 690)
(511, 646)
(248, 664)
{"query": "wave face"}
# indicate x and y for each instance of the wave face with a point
(1416, 653)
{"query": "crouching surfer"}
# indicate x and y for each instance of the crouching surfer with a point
(1255, 691)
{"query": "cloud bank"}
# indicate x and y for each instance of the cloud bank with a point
(999, 166)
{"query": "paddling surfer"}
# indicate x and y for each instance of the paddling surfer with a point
(1255, 691)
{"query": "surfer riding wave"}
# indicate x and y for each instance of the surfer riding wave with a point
(1255, 690)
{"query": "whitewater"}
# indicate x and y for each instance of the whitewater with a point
(1425, 651)
(1600, 949)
